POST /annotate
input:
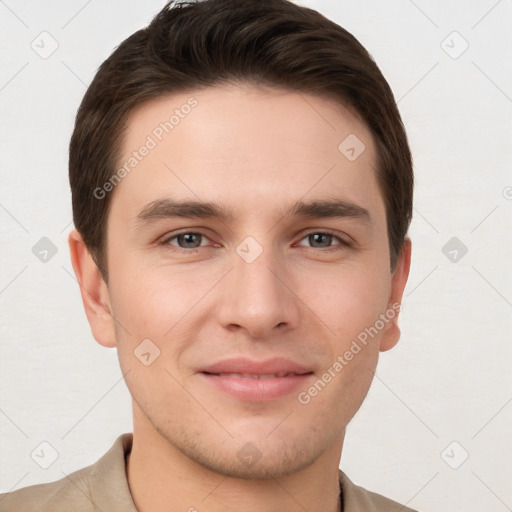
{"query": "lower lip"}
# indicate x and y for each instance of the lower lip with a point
(257, 390)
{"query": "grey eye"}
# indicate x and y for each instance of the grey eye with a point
(189, 240)
(322, 239)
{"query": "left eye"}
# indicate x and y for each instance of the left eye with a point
(322, 240)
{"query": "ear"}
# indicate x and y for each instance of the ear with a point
(94, 291)
(391, 333)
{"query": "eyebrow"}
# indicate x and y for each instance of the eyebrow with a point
(169, 208)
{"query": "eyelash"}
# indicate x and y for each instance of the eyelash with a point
(342, 244)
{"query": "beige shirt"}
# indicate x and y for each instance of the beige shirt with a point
(103, 487)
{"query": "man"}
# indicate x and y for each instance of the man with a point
(242, 190)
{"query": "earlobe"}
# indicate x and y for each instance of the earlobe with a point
(391, 333)
(94, 291)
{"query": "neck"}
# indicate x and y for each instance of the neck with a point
(160, 476)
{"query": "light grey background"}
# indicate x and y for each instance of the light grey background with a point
(449, 378)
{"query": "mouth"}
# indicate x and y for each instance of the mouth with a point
(256, 376)
(254, 381)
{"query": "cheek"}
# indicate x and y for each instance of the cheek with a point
(349, 299)
(140, 301)
(150, 310)
(352, 303)
(157, 301)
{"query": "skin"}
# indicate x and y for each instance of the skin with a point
(255, 152)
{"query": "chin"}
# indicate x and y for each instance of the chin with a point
(263, 466)
(260, 459)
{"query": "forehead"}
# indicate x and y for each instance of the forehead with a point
(241, 145)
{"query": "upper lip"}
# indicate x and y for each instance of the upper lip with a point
(244, 365)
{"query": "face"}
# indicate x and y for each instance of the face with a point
(263, 305)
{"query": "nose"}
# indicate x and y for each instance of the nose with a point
(258, 297)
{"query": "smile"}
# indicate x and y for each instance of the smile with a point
(255, 376)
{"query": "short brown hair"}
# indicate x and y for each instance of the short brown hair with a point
(189, 46)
